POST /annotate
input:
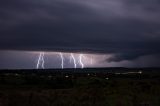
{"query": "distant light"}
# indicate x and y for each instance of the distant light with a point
(107, 78)
(16, 74)
(140, 72)
(88, 74)
(66, 76)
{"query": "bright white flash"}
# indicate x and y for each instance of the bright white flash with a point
(62, 60)
(41, 61)
(74, 60)
(80, 60)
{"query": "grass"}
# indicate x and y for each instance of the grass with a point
(80, 91)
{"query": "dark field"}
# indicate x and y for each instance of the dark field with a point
(80, 87)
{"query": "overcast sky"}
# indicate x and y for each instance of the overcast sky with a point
(113, 32)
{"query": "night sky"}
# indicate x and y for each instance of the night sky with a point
(110, 33)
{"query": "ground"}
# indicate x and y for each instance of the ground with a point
(87, 89)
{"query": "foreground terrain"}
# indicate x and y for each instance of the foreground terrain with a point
(132, 87)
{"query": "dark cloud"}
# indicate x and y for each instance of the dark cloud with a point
(126, 28)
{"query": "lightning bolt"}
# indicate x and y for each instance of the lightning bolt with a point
(40, 60)
(38, 63)
(43, 60)
(74, 60)
(62, 60)
(80, 60)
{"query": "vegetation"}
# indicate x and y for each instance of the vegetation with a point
(85, 90)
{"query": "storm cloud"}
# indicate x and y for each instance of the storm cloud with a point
(127, 29)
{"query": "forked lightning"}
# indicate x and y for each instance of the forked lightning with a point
(74, 60)
(80, 60)
(41, 62)
(62, 60)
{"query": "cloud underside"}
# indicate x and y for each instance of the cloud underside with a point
(128, 29)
